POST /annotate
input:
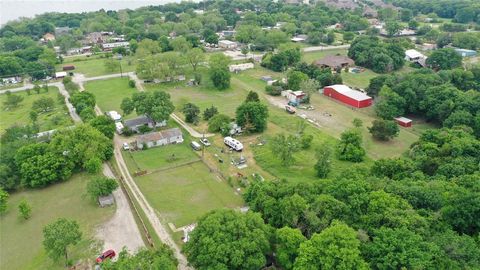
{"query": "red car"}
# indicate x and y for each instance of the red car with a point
(106, 255)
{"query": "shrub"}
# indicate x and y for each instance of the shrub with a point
(101, 186)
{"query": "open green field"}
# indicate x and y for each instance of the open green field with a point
(56, 118)
(159, 157)
(21, 241)
(96, 66)
(110, 93)
(360, 80)
(182, 195)
(309, 57)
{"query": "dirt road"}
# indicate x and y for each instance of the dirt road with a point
(121, 230)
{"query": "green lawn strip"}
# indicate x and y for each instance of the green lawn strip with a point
(21, 241)
(92, 67)
(110, 93)
(20, 115)
(309, 57)
(183, 194)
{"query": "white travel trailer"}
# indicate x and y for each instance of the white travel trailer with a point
(233, 143)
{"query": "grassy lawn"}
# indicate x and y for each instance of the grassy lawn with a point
(21, 241)
(110, 93)
(360, 80)
(203, 96)
(182, 195)
(56, 118)
(309, 57)
(92, 67)
(159, 157)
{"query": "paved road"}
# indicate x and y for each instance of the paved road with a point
(121, 230)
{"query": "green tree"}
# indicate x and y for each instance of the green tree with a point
(390, 104)
(43, 104)
(33, 116)
(384, 130)
(58, 236)
(194, 57)
(160, 258)
(219, 73)
(43, 169)
(209, 113)
(336, 247)
(295, 78)
(252, 96)
(348, 36)
(37, 88)
(104, 124)
(111, 64)
(241, 241)
(101, 186)
(350, 146)
(3, 200)
(283, 147)
(24, 210)
(219, 123)
(155, 105)
(399, 249)
(287, 243)
(445, 58)
(191, 112)
(252, 116)
(180, 44)
(323, 164)
(12, 101)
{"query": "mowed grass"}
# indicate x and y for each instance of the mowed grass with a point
(21, 241)
(160, 157)
(92, 67)
(110, 93)
(20, 115)
(184, 194)
(360, 80)
(309, 57)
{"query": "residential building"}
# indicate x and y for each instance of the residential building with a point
(111, 46)
(347, 95)
(334, 62)
(294, 96)
(135, 123)
(227, 44)
(61, 31)
(164, 137)
(415, 56)
(240, 67)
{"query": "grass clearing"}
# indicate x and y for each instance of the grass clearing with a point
(92, 67)
(309, 57)
(21, 241)
(110, 93)
(56, 118)
(182, 195)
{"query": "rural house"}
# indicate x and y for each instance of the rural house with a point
(227, 44)
(153, 139)
(347, 95)
(334, 62)
(415, 56)
(135, 123)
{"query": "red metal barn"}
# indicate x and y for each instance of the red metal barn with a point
(347, 95)
(403, 121)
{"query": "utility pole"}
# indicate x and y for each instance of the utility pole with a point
(119, 58)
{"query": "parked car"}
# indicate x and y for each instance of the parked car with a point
(109, 254)
(126, 146)
(290, 109)
(205, 142)
(196, 146)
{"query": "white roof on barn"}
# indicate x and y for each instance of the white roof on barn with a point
(403, 119)
(413, 54)
(347, 91)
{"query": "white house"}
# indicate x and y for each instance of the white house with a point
(240, 67)
(415, 56)
(227, 44)
(153, 139)
(111, 46)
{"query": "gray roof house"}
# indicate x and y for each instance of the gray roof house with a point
(135, 123)
(164, 137)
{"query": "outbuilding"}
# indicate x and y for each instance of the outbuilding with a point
(294, 96)
(240, 67)
(60, 75)
(403, 121)
(347, 95)
(465, 52)
(68, 67)
(227, 44)
(334, 62)
(119, 127)
(114, 115)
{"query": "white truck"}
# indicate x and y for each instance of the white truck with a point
(233, 143)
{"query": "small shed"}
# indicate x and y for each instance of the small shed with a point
(60, 75)
(294, 96)
(114, 115)
(68, 67)
(240, 67)
(403, 121)
(119, 127)
(227, 44)
(106, 200)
